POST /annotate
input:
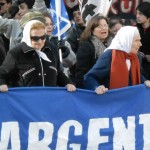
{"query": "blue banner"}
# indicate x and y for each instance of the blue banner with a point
(44, 118)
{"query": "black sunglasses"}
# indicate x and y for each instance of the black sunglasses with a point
(36, 38)
(2, 4)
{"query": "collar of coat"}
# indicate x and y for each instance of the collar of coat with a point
(27, 49)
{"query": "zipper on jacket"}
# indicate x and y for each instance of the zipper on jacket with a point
(27, 72)
(42, 71)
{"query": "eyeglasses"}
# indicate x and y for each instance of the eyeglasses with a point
(103, 27)
(37, 38)
(2, 4)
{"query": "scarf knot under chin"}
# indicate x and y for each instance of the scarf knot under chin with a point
(119, 74)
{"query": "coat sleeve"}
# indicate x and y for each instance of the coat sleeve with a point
(70, 59)
(2, 51)
(100, 73)
(85, 61)
(7, 68)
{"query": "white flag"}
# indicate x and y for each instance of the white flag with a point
(90, 8)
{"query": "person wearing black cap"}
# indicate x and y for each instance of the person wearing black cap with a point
(73, 35)
(143, 24)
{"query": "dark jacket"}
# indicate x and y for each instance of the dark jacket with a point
(145, 39)
(86, 58)
(73, 36)
(145, 48)
(100, 73)
(24, 66)
(2, 51)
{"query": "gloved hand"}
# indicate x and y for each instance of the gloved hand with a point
(64, 49)
(61, 45)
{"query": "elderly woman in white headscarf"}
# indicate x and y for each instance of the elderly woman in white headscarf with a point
(119, 66)
(34, 61)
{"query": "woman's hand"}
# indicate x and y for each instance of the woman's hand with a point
(4, 88)
(70, 87)
(101, 89)
(147, 83)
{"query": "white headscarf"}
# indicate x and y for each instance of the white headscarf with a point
(123, 39)
(26, 38)
(26, 32)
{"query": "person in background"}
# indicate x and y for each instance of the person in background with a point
(73, 36)
(68, 56)
(75, 31)
(143, 24)
(24, 6)
(12, 28)
(115, 24)
(35, 61)
(94, 40)
(13, 12)
(119, 65)
(4, 6)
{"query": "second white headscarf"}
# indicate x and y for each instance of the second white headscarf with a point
(123, 39)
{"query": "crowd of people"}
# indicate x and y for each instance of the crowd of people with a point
(104, 54)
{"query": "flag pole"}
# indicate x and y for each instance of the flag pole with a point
(58, 14)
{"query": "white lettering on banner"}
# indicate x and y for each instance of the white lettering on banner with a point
(71, 3)
(112, 8)
(63, 134)
(145, 120)
(10, 131)
(126, 6)
(128, 9)
(94, 138)
(34, 128)
(124, 136)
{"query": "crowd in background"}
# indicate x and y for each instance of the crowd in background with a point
(29, 52)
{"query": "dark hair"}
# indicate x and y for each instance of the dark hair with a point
(144, 8)
(46, 14)
(73, 9)
(29, 3)
(113, 21)
(9, 1)
(92, 24)
(12, 11)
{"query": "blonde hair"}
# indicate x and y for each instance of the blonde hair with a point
(37, 25)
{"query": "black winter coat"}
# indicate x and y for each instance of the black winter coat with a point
(86, 58)
(145, 48)
(25, 68)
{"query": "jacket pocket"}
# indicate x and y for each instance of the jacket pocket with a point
(28, 72)
(51, 67)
